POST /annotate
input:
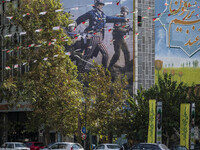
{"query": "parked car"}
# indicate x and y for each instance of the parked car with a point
(49, 145)
(126, 146)
(108, 146)
(64, 145)
(178, 147)
(14, 146)
(35, 145)
(149, 146)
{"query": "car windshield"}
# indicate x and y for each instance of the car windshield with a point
(48, 146)
(19, 145)
(163, 146)
(77, 146)
(38, 144)
(149, 147)
(180, 148)
(113, 146)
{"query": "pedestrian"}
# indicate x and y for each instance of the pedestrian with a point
(119, 32)
(95, 30)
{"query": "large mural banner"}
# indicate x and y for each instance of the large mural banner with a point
(177, 39)
(102, 32)
(152, 122)
(184, 125)
(159, 123)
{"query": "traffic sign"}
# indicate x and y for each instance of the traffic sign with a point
(83, 136)
(83, 130)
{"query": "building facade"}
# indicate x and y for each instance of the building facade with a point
(143, 51)
(144, 44)
(12, 119)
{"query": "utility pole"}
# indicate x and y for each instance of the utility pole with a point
(85, 127)
(84, 135)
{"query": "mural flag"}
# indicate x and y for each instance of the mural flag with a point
(152, 119)
(184, 125)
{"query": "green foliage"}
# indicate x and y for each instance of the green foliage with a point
(189, 75)
(185, 121)
(51, 85)
(172, 95)
(105, 100)
(136, 118)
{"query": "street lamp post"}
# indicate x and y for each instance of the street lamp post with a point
(84, 135)
(85, 127)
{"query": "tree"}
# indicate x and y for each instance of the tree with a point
(165, 71)
(51, 85)
(105, 101)
(136, 120)
(180, 74)
(172, 95)
(158, 65)
(195, 63)
(172, 72)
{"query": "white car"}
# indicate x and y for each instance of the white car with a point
(108, 146)
(149, 146)
(64, 146)
(14, 146)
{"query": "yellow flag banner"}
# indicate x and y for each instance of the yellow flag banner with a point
(184, 125)
(152, 121)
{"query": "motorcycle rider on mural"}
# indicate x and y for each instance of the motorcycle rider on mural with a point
(76, 49)
(95, 30)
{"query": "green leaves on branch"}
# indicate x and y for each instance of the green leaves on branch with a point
(51, 84)
(172, 95)
(105, 100)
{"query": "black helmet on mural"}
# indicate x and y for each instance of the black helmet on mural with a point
(124, 9)
(96, 2)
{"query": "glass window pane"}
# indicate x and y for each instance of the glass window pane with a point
(10, 145)
(28, 144)
(77, 146)
(163, 146)
(113, 146)
(54, 146)
(39, 144)
(19, 145)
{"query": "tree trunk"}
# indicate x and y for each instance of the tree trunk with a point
(79, 129)
(167, 142)
(46, 135)
(110, 137)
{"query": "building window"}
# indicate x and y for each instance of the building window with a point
(1, 21)
(139, 21)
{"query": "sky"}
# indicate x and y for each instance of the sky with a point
(82, 5)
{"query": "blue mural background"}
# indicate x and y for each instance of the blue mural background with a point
(181, 54)
(79, 7)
